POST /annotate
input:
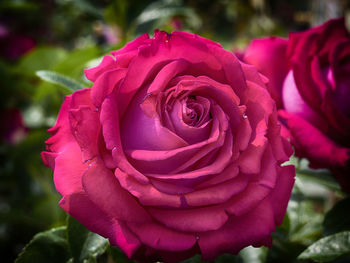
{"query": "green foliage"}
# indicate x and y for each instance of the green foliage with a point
(48, 246)
(328, 248)
(84, 245)
(337, 219)
(72, 243)
(59, 79)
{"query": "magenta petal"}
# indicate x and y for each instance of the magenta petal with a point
(268, 169)
(131, 46)
(166, 74)
(230, 172)
(107, 63)
(85, 126)
(60, 132)
(161, 238)
(269, 55)
(238, 232)
(281, 193)
(250, 160)
(219, 193)
(294, 103)
(113, 200)
(251, 197)
(105, 84)
(109, 118)
(140, 131)
(243, 135)
(191, 220)
(313, 144)
(82, 209)
(147, 194)
(69, 170)
(197, 176)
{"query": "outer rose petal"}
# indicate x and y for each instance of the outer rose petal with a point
(82, 209)
(279, 196)
(313, 144)
(60, 135)
(294, 103)
(113, 200)
(162, 238)
(69, 170)
(254, 225)
(107, 63)
(270, 57)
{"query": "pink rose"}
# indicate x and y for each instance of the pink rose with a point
(175, 150)
(13, 45)
(315, 90)
(13, 129)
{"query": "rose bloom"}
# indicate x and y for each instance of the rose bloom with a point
(13, 129)
(174, 151)
(310, 80)
(14, 45)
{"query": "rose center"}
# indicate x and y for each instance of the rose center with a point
(195, 110)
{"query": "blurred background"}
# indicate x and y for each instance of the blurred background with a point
(67, 36)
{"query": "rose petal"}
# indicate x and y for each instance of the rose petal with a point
(176, 160)
(256, 225)
(60, 132)
(85, 126)
(146, 193)
(69, 170)
(251, 197)
(105, 84)
(294, 103)
(105, 191)
(269, 55)
(107, 64)
(197, 176)
(313, 144)
(82, 209)
(139, 131)
(155, 54)
(161, 238)
(166, 74)
(111, 132)
(249, 160)
(280, 194)
(218, 193)
(191, 220)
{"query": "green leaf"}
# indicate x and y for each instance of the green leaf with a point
(337, 218)
(118, 256)
(84, 244)
(254, 255)
(59, 79)
(328, 248)
(49, 246)
(75, 63)
(41, 58)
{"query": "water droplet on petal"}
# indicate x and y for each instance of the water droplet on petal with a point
(245, 116)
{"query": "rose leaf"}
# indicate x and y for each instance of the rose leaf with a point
(84, 244)
(59, 79)
(49, 246)
(328, 248)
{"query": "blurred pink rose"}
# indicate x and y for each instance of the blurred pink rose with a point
(310, 73)
(174, 151)
(12, 129)
(13, 45)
